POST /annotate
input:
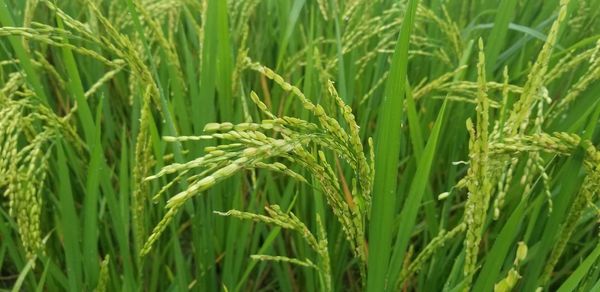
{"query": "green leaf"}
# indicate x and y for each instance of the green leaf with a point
(387, 154)
(582, 270)
(408, 216)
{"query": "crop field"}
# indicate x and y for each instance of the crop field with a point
(300, 145)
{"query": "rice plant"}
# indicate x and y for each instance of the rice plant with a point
(260, 145)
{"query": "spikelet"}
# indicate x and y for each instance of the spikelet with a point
(278, 217)
(333, 127)
(162, 40)
(577, 208)
(591, 76)
(323, 7)
(363, 169)
(569, 63)
(417, 264)
(281, 221)
(246, 146)
(503, 185)
(436, 83)
(234, 162)
(522, 108)
(375, 87)
(51, 36)
(479, 184)
(105, 78)
(304, 263)
(242, 53)
(279, 167)
(23, 167)
(50, 69)
(140, 170)
(104, 276)
(535, 161)
(72, 23)
(128, 51)
(509, 282)
(324, 255)
(557, 143)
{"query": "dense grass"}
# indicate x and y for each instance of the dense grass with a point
(226, 145)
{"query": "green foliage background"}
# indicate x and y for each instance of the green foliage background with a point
(483, 114)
